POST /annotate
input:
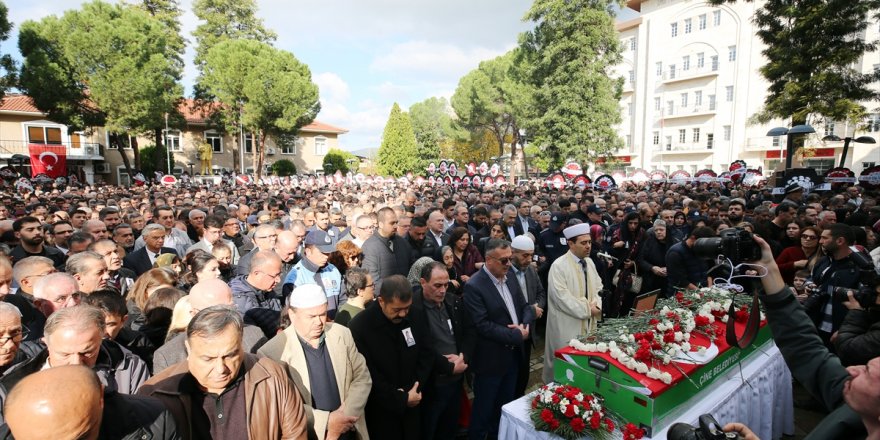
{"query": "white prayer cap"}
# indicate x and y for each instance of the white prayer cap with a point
(578, 229)
(307, 295)
(523, 243)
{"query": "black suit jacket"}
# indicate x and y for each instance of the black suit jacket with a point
(489, 315)
(461, 327)
(139, 262)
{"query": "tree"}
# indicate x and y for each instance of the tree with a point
(153, 159)
(398, 153)
(336, 159)
(433, 127)
(267, 89)
(493, 99)
(7, 65)
(811, 47)
(283, 167)
(106, 65)
(226, 20)
(571, 53)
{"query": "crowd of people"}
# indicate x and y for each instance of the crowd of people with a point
(357, 311)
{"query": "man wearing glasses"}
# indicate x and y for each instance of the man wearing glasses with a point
(255, 291)
(573, 302)
(265, 237)
(502, 319)
(11, 335)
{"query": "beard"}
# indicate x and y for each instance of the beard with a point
(35, 241)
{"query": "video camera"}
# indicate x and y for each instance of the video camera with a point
(737, 244)
(709, 430)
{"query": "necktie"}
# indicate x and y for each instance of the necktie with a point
(584, 268)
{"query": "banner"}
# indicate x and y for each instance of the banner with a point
(50, 160)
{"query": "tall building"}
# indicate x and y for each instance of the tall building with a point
(692, 82)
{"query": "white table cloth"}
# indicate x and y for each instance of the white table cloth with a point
(763, 402)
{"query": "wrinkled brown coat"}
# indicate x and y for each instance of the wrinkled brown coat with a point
(274, 407)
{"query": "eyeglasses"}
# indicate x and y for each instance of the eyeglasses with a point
(370, 285)
(15, 335)
(277, 275)
(808, 237)
(504, 261)
(273, 236)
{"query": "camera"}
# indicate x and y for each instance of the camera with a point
(737, 244)
(709, 430)
(865, 293)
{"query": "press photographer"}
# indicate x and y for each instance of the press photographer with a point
(837, 272)
(851, 394)
(858, 339)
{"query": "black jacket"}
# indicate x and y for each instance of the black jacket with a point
(139, 262)
(129, 417)
(858, 339)
(828, 274)
(653, 253)
(461, 327)
(394, 365)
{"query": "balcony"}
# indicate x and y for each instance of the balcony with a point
(679, 75)
(683, 149)
(690, 112)
(77, 151)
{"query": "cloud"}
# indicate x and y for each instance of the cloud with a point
(433, 59)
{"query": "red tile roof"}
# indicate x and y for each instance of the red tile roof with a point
(14, 102)
(320, 127)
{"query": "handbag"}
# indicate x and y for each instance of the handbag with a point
(635, 280)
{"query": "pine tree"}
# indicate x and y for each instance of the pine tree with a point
(398, 153)
(572, 52)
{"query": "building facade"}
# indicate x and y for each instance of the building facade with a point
(93, 159)
(692, 82)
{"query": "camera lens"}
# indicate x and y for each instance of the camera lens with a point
(709, 247)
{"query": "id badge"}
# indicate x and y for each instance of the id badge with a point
(562, 240)
(408, 336)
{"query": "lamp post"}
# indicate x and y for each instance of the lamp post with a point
(167, 147)
(790, 133)
(350, 161)
(846, 141)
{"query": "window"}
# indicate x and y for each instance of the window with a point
(684, 100)
(693, 169)
(320, 146)
(632, 77)
(775, 143)
(629, 109)
(670, 107)
(628, 141)
(702, 21)
(820, 165)
(711, 102)
(873, 123)
(710, 140)
(668, 143)
(77, 140)
(714, 60)
(216, 141)
(674, 29)
(657, 104)
(666, 169)
(698, 98)
(716, 18)
(682, 136)
(729, 93)
(731, 53)
(726, 132)
(672, 71)
(122, 177)
(688, 25)
(866, 165)
(249, 143)
(44, 135)
(696, 137)
(659, 69)
(172, 140)
(686, 62)
(701, 60)
(632, 44)
(656, 139)
(288, 146)
(829, 128)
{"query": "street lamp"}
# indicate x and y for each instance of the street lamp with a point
(790, 133)
(846, 141)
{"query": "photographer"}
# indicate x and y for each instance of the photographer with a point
(858, 340)
(837, 270)
(851, 395)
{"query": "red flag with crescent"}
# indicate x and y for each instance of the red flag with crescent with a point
(48, 159)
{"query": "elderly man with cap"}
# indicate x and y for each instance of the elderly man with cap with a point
(314, 268)
(324, 363)
(524, 272)
(573, 302)
(794, 193)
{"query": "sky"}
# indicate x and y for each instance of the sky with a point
(364, 55)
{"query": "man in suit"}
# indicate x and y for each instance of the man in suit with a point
(386, 253)
(525, 274)
(452, 341)
(435, 229)
(524, 218)
(142, 259)
(399, 358)
(501, 317)
(212, 232)
(461, 220)
(324, 363)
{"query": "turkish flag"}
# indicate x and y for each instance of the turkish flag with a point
(48, 159)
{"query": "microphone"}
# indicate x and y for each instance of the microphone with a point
(605, 256)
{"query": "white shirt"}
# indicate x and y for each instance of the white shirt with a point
(501, 285)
